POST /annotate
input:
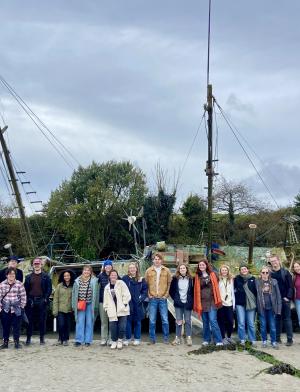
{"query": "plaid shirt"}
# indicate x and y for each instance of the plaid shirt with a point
(16, 297)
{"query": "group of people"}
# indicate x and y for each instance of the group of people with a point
(122, 303)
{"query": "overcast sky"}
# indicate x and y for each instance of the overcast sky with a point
(126, 80)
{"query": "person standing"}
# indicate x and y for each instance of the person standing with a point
(85, 306)
(182, 293)
(268, 305)
(207, 300)
(245, 304)
(296, 280)
(12, 263)
(103, 279)
(116, 303)
(225, 313)
(12, 303)
(38, 288)
(158, 278)
(62, 305)
(138, 290)
(286, 287)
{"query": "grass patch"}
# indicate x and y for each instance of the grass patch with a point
(278, 367)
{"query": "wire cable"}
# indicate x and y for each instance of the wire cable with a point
(247, 155)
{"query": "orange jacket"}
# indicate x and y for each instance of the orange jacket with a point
(197, 293)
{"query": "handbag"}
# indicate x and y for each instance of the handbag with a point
(81, 304)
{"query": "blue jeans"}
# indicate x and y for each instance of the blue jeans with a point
(268, 318)
(85, 325)
(297, 305)
(211, 326)
(137, 328)
(118, 328)
(183, 314)
(160, 304)
(246, 316)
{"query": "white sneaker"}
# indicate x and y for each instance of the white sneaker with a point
(119, 344)
(176, 341)
(113, 345)
(205, 343)
(189, 341)
(126, 343)
(103, 342)
(109, 342)
(136, 342)
(219, 344)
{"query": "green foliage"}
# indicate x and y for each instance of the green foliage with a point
(89, 208)
(158, 210)
(194, 211)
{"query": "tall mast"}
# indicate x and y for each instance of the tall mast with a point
(209, 169)
(209, 164)
(13, 180)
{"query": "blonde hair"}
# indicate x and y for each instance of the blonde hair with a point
(138, 275)
(229, 275)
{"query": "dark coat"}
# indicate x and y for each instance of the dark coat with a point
(174, 293)
(138, 292)
(287, 289)
(103, 280)
(45, 283)
(239, 291)
(19, 275)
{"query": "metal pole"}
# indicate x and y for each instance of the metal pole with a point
(29, 242)
(209, 170)
(252, 227)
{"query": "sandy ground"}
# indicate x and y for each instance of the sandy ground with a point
(141, 369)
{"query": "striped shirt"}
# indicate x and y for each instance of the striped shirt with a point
(12, 296)
(85, 290)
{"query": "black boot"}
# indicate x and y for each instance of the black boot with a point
(28, 341)
(42, 340)
(4, 345)
(17, 344)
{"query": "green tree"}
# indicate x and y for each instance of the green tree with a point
(89, 208)
(194, 211)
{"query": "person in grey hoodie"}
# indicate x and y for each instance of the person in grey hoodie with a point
(269, 305)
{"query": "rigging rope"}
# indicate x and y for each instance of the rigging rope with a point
(246, 153)
(35, 119)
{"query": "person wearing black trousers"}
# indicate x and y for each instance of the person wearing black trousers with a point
(285, 284)
(38, 288)
(225, 313)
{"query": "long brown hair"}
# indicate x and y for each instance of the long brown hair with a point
(293, 270)
(177, 273)
(209, 269)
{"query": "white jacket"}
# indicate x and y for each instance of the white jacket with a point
(123, 298)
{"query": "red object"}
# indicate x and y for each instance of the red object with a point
(217, 251)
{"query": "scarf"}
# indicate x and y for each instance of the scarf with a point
(250, 297)
(197, 293)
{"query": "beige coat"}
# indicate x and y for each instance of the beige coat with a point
(123, 298)
(163, 284)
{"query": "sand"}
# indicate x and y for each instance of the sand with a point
(141, 369)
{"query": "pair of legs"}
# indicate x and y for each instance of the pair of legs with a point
(183, 314)
(268, 319)
(161, 305)
(85, 325)
(134, 324)
(118, 328)
(285, 319)
(63, 326)
(211, 327)
(246, 316)
(10, 320)
(105, 331)
(225, 321)
(36, 310)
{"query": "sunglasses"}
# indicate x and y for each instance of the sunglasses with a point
(265, 273)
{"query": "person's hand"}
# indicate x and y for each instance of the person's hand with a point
(286, 299)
